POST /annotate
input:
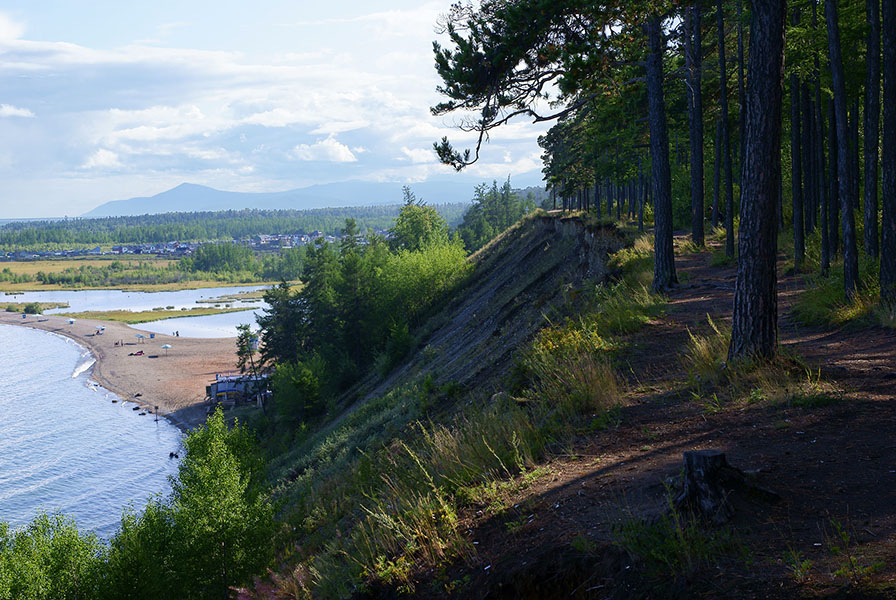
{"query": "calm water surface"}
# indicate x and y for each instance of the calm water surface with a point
(211, 326)
(64, 445)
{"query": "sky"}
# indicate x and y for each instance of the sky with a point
(107, 100)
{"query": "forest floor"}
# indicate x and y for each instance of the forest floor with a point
(833, 463)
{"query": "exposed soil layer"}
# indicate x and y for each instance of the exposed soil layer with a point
(833, 466)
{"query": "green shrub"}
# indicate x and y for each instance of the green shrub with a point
(49, 558)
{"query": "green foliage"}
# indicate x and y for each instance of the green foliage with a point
(214, 531)
(853, 568)
(417, 225)
(32, 308)
(296, 387)
(357, 306)
(672, 546)
(49, 560)
(220, 257)
(798, 565)
(143, 561)
(222, 519)
(493, 211)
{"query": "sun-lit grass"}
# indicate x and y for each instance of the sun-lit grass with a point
(784, 379)
(635, 262)
(132, 318)
(824, 302)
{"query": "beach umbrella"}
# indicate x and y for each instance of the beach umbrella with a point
(165, 347)
(140, 337)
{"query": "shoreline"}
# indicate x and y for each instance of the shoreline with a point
(174, 381)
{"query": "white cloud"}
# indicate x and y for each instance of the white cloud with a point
(10, 30)
(102, 159)
(335, 127)
(352, 94)
(277, 117)
(7, 110)
(328, 150)
(419, 155)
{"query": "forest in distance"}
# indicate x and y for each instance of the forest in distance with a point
(217, 258)
(541, 401)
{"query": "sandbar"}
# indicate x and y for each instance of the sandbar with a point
(172, 380)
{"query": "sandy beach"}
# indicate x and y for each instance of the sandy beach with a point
(174, 381)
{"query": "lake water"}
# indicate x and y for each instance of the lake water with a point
(211, 326)
(81, 300)
(64, 445)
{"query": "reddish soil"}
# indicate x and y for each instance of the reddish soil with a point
(830, 464)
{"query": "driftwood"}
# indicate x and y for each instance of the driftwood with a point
(709, 481)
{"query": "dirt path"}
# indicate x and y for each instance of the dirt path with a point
(832, 465)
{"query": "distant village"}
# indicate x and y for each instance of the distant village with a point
(259, 243)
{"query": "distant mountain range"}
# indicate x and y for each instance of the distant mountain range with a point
(188, 197)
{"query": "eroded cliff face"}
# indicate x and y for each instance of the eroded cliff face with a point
(529, 275)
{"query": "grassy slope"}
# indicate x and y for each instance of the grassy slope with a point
(383, 483)
(425, 481)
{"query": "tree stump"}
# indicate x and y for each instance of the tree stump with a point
(703, 491)
(709, 481)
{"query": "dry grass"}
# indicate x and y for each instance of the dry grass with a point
(31, 267)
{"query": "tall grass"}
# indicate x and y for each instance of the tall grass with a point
(376, 496)
(407, 496)
(824, 302)
(785, 378)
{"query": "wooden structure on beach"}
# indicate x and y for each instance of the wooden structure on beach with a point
(230, 388)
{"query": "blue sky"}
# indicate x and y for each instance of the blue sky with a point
(107, 100)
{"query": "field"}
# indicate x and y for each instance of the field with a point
(55, 265)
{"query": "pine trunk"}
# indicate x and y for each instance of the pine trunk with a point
(872, 126)
(834, 199)
(822, 182)
(695, 120)
(664, 254)
(717, 176)
(740, 75)
(806, 156)
(844, 171)
(726, 136)
(796, 172)
(888, 160)
(755, 320)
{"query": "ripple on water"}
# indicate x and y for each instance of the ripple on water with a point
(63, 446)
